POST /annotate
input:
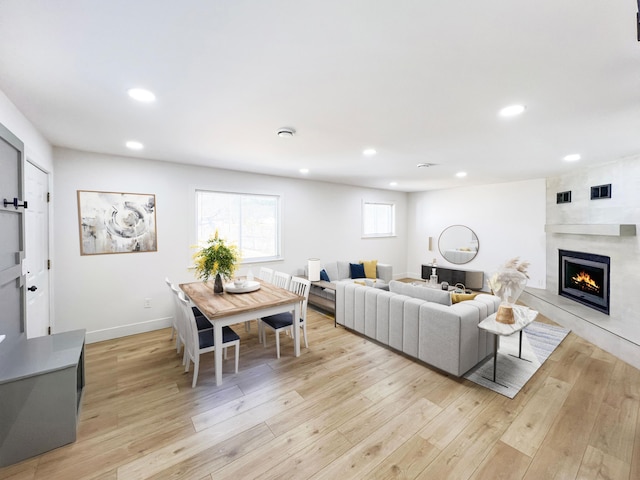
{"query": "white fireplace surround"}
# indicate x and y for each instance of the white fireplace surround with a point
(604, 227)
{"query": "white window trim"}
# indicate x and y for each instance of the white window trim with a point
(280, 220)
(392, 204)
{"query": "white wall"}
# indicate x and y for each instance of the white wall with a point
(508, 219)
(37, 148)
(105, 293)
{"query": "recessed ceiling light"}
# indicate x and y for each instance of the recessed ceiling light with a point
(393, 184)
(304, 171)
(133, 145)
(369, 151)
(141, 94)
(574, 157)
(512, 110)
(461, 174)
(286, 132)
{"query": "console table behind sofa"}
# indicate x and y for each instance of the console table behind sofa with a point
(472, 279)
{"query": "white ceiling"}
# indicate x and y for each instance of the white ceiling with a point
(418, 80)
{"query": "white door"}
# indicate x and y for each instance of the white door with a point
(37, 251)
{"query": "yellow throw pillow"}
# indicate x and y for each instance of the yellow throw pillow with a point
(369, 268)
(360, 282)
(461, 297)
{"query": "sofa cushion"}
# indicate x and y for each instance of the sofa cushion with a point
(370, 268)
(324, 276)
(332, 271)
(343, 270)
(356, 270)
(425, 293)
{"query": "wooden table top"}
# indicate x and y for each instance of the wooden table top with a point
(225, 304)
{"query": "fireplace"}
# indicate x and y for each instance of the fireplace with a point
(584, 277)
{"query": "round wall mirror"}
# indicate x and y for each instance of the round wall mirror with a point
(458, 244)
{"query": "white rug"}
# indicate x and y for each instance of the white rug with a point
(539, 340)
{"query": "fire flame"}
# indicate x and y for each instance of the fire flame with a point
(585, 280)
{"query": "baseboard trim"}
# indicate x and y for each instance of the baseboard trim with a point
(126, 330)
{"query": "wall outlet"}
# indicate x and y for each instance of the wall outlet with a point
(147, 303)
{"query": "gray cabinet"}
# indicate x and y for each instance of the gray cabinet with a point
(41, 384)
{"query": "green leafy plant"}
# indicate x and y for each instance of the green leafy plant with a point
(217, 257)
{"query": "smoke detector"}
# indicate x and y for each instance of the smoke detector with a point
(286, 132)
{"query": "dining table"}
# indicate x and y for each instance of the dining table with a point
(239, 306)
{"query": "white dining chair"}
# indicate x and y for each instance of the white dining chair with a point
(266, 274)
(174, 319)
(284, 321)
(181, 329)
(199, 342)
(281, 279)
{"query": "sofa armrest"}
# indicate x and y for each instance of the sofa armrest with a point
(384, 272)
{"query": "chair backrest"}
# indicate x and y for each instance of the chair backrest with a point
(281, 279)
(301, 286)
(189, 324)
(265, 274)
(182, 318)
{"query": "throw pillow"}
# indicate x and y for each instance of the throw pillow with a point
(360, 282)
(357, 270)
(370, 268)
(324, 276)
(461, 297)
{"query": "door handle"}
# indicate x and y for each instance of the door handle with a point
(32, 288)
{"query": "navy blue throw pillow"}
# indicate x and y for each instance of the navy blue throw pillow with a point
(357, 270)
(323, 275)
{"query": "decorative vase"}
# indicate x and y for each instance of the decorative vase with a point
(509, 295)
(217, 284)
(507, 284)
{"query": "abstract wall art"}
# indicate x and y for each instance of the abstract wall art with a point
(113, 222)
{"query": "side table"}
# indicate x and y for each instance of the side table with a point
(324, 303)
(523, 316)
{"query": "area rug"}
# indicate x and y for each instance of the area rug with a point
(539, 340)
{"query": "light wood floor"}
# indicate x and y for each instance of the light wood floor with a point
(346, 408)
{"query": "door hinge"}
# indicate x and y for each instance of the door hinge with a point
(48, 264)
(48, 330)
(48, 197)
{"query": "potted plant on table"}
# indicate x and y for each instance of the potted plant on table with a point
(217, 259)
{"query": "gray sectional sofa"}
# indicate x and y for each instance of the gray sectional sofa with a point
(421, 322)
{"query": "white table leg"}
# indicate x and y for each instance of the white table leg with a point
(296, 330)
(217, 353)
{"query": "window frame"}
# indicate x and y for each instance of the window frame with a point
(392, 205)
(279, 220)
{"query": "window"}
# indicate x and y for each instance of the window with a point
(378, 219)
(250, 221)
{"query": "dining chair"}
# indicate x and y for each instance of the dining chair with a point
(265, 274)
(202, 341)
(284, 321)
(282, 280)
(174, 319)
(181, 330)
